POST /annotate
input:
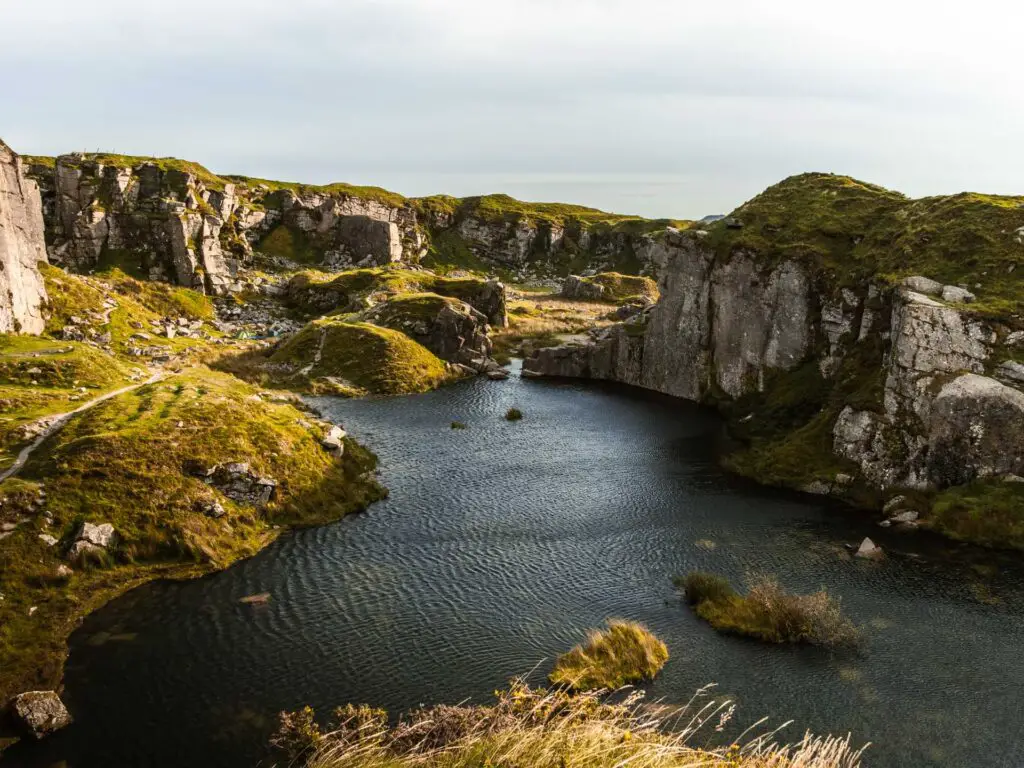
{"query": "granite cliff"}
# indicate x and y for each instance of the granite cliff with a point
(173, 220)
(863, 344)
(22, 293)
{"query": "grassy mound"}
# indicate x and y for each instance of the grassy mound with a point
(536, 728)
(767, 612)
(360, 358)
(411, 308)
(125, 462)
(624, 653)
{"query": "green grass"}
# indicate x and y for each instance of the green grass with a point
(361, 356)
(767, 612)
(513, 414)
(624, 653)
(989, 512)
(124, 462)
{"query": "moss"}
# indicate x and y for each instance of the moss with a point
(411, 308)
(624, 653)
(989, 512)
(767, 612)
(448, 252)
(124, 462)
(43, 160)
(364, 357)
(289, 243)
(337, 189)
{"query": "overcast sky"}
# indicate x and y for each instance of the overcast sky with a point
(657, 107)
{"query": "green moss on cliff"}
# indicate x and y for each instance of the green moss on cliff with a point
(125, 462)
(337, 189)
(210, 180)
(359, 357)
(619, 287)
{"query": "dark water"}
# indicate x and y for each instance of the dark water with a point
(500, 546)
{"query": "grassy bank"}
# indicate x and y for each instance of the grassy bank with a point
(536, 728)
(624, 653)
(767, 612)
(126, 462)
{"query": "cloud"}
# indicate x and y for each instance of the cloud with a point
(707, 102)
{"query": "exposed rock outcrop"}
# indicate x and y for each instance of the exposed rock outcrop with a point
(449, 328)
(899, 374)
(22, 293)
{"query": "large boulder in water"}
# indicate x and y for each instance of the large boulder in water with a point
(39, 713)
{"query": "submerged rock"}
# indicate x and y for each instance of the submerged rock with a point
(869, 550)
(39, 713)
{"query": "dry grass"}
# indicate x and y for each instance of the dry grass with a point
(768, 613)
(537, 728)
(624, 653)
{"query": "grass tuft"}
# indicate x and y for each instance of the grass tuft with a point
(624, 653)
(513, 414)
(768, 613)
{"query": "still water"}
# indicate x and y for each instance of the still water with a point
(500, 545)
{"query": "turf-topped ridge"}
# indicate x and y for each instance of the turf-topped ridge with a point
(333, 355)
(335, 189)
(209, 179)
(127, 462)
(619, 287)
(853, 231)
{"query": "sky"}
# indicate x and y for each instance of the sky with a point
(664, 108)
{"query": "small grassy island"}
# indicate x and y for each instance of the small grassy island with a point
(624, 653)
(767, 612)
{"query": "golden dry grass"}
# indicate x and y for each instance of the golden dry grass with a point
(537, 728)
(626, 652)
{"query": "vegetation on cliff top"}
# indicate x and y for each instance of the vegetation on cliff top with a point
(854, 231)
(624, 653)
(209, 179)
(354, 357)
(767, 612)
(988, 512)
(537, 728)
(126, 462)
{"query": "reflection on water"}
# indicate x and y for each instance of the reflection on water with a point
(500, 546)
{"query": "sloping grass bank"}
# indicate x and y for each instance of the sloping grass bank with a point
(130, 462)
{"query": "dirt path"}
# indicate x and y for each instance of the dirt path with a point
(61, 419)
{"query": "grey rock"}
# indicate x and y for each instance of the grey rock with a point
(48, 540)
(956, 295)
(1011, 371)
(102, 535)
(22, 247)
(868, 550)
(894, 503)
(334, 440)
(39, 713)
(576, 287)
(923, 285)
(909, 516)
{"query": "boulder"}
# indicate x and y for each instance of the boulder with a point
(1012, 372)
(923, 285)
(869, 550)
(237, 481)
(39, 713)
(907, 516)
(333, 441)
(101, 535)
(576, 287)
(894, 503)
(955, 295)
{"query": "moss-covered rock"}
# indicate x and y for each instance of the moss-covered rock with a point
(449, 328)
(611, 287)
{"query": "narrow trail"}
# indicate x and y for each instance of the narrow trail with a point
(61, 419)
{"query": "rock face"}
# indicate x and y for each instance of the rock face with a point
(449, 328)
(727, 325)
(237, 481)
(22, 293)
(39, 713)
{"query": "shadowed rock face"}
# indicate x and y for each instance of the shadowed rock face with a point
(724, 324)
(22, 292)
